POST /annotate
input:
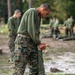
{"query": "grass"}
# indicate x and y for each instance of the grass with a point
(3, 29)
(4, 62)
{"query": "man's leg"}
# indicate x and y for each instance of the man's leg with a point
(66, 31)
(54, 35)
(41, 70)
(51, 32)
(32, 59)
(19, 60)
(37, 68)
(11, 47)
(71, 31)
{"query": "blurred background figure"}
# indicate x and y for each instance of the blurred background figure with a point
(56, 29)
(52, 21)
(13, 24)
(69, 23)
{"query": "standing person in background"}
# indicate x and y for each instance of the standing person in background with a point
(52, 21)
(56, 29)
(69, 23)
(51, 27)
(28, 42)
(72, 25)
(13, 24)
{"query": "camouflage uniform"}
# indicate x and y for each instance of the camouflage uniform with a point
(51, 26)
(26, 51)
(41, 70)
(13, 24)
(69, 27)
(56, 29)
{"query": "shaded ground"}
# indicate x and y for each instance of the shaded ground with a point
(60, 52)
(60, 44)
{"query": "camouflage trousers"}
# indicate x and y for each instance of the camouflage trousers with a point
(69, 31)
(11, 44)
(41, 70)
(52, 30)
(26, 52)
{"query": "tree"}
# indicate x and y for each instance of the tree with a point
(64, 8)
(30, 3)
(9, 8)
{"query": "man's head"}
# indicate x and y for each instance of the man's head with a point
(71, 16)
(44, 10)
(17, 13)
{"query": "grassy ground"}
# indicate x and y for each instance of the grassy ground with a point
(3, 29)
(4, 70)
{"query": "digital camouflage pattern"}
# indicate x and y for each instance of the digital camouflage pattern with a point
(11, 44)
(27, 52)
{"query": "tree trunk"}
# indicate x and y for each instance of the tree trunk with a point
(9, 8)
(30, 3)
(19, 2)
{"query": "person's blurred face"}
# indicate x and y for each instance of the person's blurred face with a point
(44, 12)
(18, 15)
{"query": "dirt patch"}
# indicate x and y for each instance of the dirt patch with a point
(55, 44)
(4, 43)
(59, 44)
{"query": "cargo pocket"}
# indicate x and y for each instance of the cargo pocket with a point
(17, 55)
(21, 41)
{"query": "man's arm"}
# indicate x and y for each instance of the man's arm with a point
(11, 27)
(32, 30)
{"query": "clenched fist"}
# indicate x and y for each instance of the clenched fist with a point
(42, 46)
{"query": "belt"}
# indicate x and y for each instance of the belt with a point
(21, 35)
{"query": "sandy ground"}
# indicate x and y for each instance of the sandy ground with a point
(59, 44)
(55, 44)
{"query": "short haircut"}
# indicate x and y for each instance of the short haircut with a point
(46, 5)
(17, 11)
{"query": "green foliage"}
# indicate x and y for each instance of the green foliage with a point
(25, 6)
(61, 8)
(64, 8)
(4, 62)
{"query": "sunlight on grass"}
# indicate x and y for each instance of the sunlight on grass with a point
(4, 63)
(3, 29)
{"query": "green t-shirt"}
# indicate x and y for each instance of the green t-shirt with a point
(69, 22)
(13, 24)
(53, 22)
(56, 24)
(30, 24)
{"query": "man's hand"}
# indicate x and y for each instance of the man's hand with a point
(43, 46)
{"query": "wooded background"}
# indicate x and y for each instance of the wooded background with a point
(62, 9)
